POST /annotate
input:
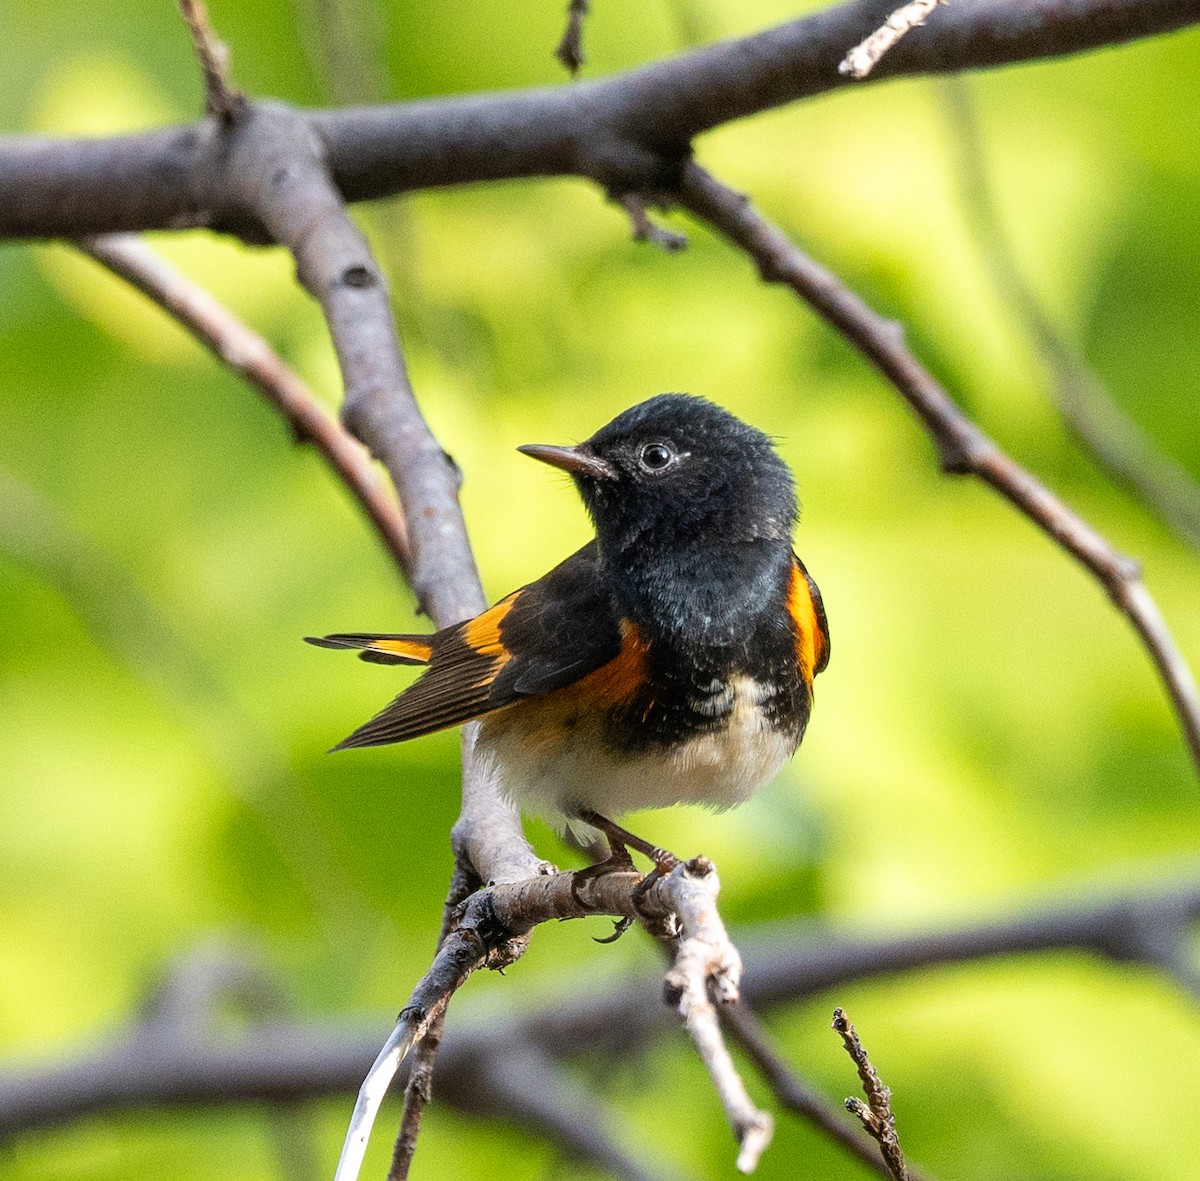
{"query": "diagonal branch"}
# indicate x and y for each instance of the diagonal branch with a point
(1117, 443)
(249, 355)
(963, 448)
(279, 175)
(876, 1114)
(796, 1096)
(492, 929)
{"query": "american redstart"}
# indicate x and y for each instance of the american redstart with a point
(670, 660)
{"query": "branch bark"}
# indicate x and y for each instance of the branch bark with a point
(630, 133)
(962, 447)
(249, 355)
(289, 1061)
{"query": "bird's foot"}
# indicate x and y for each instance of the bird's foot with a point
(620, 841)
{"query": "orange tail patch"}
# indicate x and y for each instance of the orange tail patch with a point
(380, 649)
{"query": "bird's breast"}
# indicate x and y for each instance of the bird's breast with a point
(556, 759)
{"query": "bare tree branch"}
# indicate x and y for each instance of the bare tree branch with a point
(493, 929)
(630, 132)
(963, 448)
(222, 99)
(249, 355)
(1160, 483)
(287, 1061)
(876, 1114)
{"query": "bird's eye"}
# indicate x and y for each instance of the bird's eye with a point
(656, 456)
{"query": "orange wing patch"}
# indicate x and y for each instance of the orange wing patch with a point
(620, 679)
(547, 720)
(808, 614)
(482, 634)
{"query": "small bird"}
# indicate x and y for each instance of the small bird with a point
(670, 660)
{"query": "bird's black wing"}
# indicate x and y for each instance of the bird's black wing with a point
(543, 637)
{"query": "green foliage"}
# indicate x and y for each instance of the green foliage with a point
(988, 731)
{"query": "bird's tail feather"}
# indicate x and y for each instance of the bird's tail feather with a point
(380, 649)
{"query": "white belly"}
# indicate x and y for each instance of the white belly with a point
(554, 771)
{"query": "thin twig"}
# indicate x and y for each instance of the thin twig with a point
(798, 1097)
(708, 967)
(569, 50)
(963, 448)
(419, 1089)
(248, 354)
(876, 1114)
(865, 56)
(645, 229)
(1132, 460)
(222, 99)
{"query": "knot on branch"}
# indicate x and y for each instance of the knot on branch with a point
(621, 163)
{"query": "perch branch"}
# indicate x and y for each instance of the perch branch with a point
(288, 1061)
(707, 965)
(249, 355)
(493, 928)
(963, 448)
(876, 1114)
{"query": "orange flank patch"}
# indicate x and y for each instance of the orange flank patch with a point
(482, 634)
(812, 644)
(618, 680)
(548, 720)
(409, 647)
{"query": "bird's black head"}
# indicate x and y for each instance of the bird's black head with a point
(678, 472)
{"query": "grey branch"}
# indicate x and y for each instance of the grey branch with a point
(290, 1061)
(1119, 445)
(249, 355)
(631, 132)
(962, 447)
(493, 930)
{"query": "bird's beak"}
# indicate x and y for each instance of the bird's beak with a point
(575, 460)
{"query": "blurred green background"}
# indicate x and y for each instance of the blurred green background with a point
(988, 733)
